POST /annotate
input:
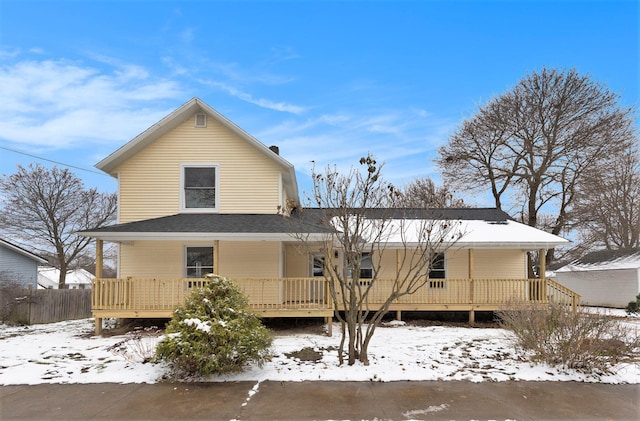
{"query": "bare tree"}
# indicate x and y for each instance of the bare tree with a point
(359, 207)
(531, 146)
(424, 193)
(609, 204)
(46, 208)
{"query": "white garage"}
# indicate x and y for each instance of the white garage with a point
(608, 278)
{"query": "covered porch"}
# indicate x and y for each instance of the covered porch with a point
(310, 297)
(484, 270)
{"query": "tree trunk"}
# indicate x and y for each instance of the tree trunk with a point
(63, 276)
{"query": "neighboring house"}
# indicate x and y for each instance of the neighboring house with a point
(609, 278)
(199, 195)
(18, 265)
(49, 278)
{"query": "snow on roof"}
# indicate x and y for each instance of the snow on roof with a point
(506, 234)
(48, 277)
(605, 260)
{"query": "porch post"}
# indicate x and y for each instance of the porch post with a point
(99, 265)
(543, 275)
(99, 258)
(216, 257)
(472, 313)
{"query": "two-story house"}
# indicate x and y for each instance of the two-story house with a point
(199, 195)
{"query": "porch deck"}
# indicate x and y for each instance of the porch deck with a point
(309, 297)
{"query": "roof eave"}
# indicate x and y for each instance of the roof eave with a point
(119, 237)
(24, 252)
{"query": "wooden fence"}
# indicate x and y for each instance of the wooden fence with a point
(34, 306)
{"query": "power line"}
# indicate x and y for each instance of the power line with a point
(55, 162)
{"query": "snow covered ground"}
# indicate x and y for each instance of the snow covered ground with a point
(67, 352)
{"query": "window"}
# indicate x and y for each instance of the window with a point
(366, 266)
(200, 191)
(437, 271)
(317, 265)
(199, 261)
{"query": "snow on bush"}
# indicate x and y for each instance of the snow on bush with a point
(213, 333)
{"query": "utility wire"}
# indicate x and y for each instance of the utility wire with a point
(55, 162)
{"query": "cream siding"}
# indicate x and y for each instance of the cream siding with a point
(149, 182)
(457, 264)
(297, 262)
(247, 259)
(487, 264)
(499, 264)
(151, 259)
(387, 263)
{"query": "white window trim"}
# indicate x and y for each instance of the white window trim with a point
(184, 255)
(440, 283)
(312, 257)
(183, 208)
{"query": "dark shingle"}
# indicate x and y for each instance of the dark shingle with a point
(308, 220)
(604, 256)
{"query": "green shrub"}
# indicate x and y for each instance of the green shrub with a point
(556, 335)
(633, 306)
(213, 333)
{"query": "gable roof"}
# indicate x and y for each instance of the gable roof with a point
(179, 116)
(22, 251)
(605, 260)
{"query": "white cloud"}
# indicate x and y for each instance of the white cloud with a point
(405, 140)
(59, 103)
(261, 102)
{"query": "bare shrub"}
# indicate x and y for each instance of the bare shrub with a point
(555, 335)
(139, 345)
(14, 301)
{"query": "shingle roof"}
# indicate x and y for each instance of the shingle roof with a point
(605, 256)
(605, 260)
(311, 221)
(463, 214)
(209, 223)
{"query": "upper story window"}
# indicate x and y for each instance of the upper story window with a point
(199, 188)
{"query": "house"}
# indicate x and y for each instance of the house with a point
(49, 278)
(18, 266)
(608, 278)
(198, 195)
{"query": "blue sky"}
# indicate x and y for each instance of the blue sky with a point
(325, 81)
